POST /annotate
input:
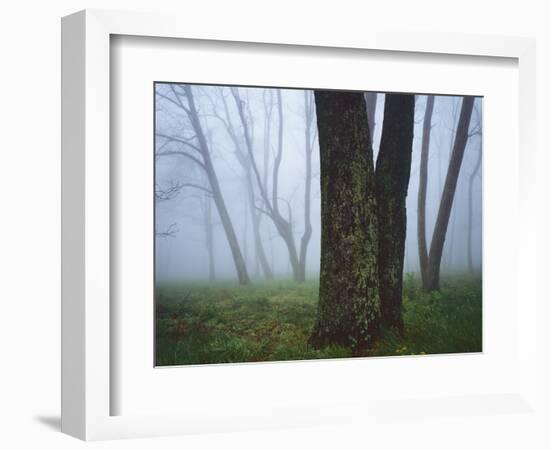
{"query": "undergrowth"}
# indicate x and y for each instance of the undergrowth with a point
(271, 321)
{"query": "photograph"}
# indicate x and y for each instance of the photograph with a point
(303, 224)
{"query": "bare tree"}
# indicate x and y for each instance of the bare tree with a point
(446, 203)
(195, 148)
(476, 131)
(422, 188)
(245, 162)
(271, 206)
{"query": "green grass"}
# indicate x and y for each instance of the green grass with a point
(218, 323)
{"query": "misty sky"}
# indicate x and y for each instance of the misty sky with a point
(181, 251)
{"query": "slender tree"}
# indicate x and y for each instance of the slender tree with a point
(393, 168)
(349, 304)
(208, 224)
(245, 162)
(271, 208)
(422, 188)
(449, 189)
(471, 180)
(309, 137)
(182, 97)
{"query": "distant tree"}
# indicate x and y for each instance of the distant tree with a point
(310, 135)
(449, 189)
(245, 162)
(477, 130)
(349, 303)
(393, 168)
(422, 188)
(470, 208)
(271, 206)
(195, 148)
(208, 224)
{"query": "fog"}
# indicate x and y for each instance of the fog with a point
(185, 250)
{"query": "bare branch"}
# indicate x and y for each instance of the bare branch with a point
(184, 154)
(169, 193)
(171, 231)
(179, 140)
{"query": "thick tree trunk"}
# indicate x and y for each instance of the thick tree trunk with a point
(422, 187)
(440, 230)
(470, 210)
(349, 304)
(393, 168)
(238, 259)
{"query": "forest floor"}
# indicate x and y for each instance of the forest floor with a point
(272, 321)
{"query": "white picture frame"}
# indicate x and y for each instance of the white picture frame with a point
(87, 385)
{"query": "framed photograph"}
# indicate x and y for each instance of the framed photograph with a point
(252, 218)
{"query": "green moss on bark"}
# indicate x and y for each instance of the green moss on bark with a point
(349, 305)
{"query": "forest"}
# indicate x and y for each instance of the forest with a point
(297, 224)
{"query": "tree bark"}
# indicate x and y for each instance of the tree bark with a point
(393, 168)
(349, 304)
(449, 189)
(422, 187)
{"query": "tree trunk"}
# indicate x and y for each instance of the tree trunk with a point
(209, 231)
(470, 210)
(304, 242)
(240, 265)
(393, 168)
(449, 189)
(258, 245)
(349, 305)
(283, 226)
(422, 187)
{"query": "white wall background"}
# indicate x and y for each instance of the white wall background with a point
(30, 194)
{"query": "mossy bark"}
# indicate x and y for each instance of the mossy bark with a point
(393, 168)
(349, 305)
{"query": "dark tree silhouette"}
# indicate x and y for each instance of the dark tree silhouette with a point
(393, 168)
(446, 203)
(349, 304)
(422, 187)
